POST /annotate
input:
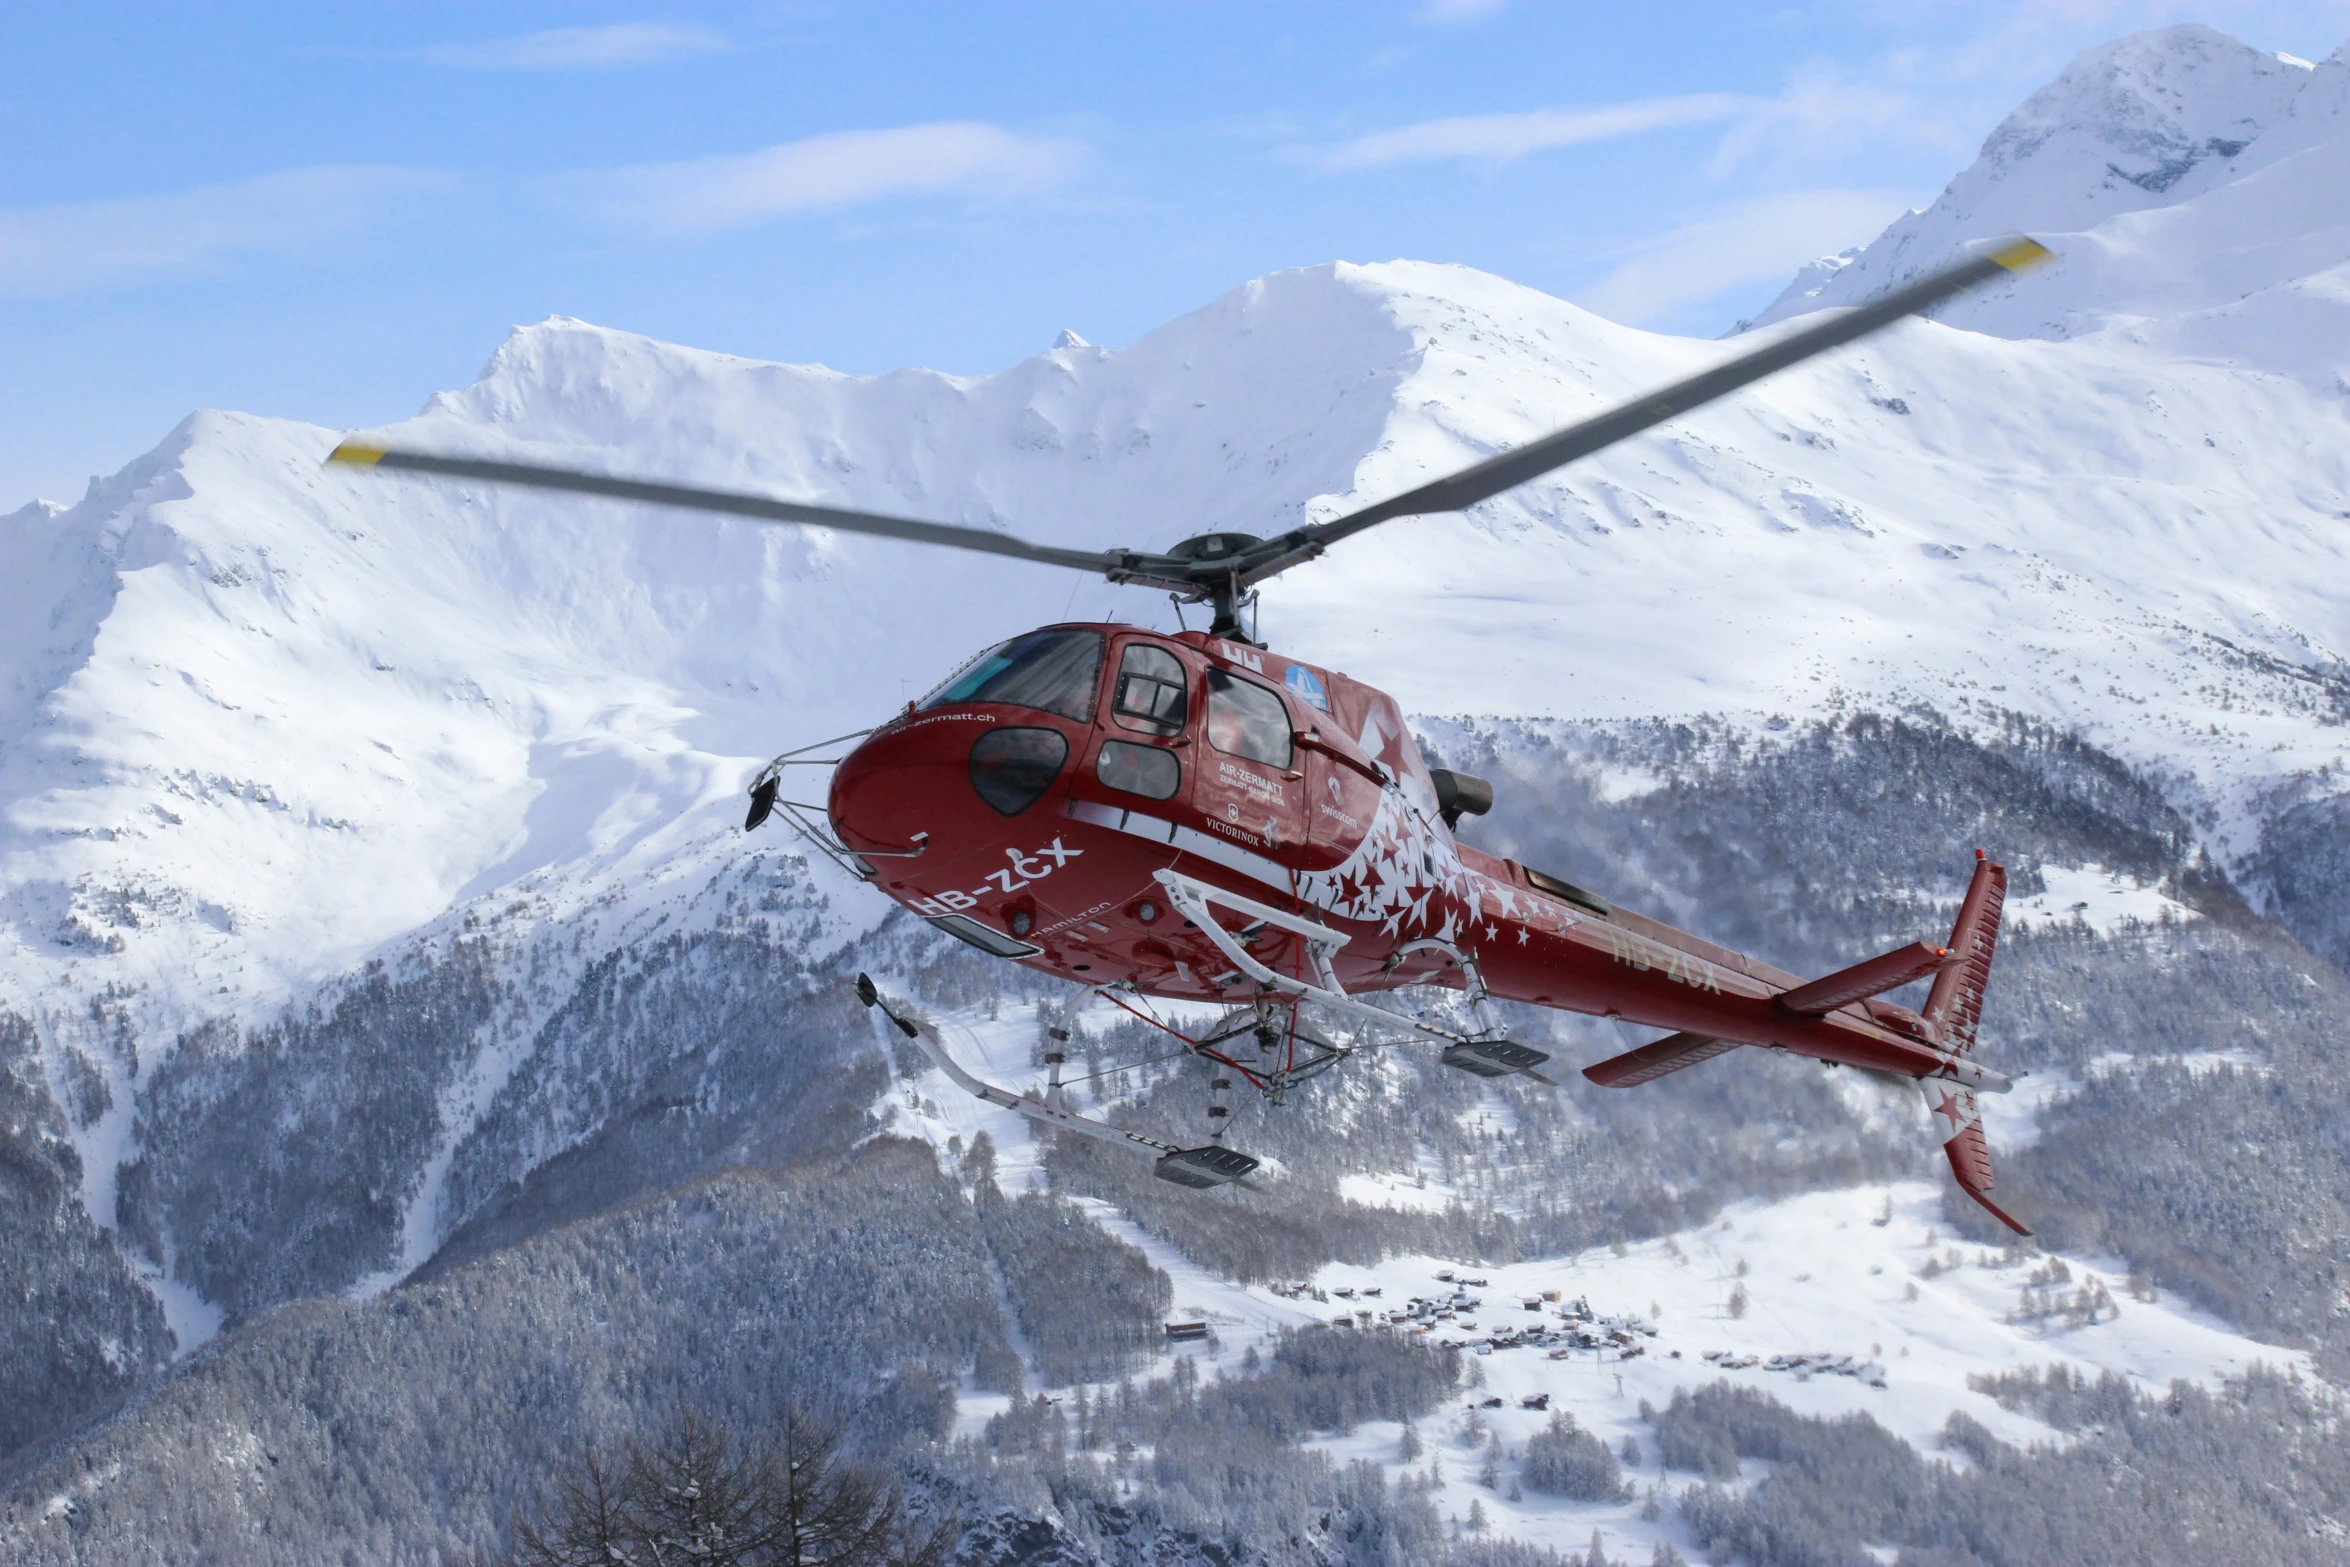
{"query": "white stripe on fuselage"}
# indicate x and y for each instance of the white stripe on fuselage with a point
(1229, 855)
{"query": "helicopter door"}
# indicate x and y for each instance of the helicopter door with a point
(1247, 782)
(1150, 701)
(1342, 799)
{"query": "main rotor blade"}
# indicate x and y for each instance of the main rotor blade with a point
(759, 508)
(1513, 468)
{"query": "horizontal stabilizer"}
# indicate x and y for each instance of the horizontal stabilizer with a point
(1887, 971)
(1653, 1061)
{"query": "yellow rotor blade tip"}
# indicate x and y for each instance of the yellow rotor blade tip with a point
(2021, 255)
(356, 452)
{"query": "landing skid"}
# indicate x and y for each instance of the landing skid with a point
(1483, 1054)
(1197, 1168)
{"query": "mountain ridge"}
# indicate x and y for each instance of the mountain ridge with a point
(490, 631)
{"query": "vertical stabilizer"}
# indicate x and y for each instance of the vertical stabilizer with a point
(1953, 1011)
(1955, 1005)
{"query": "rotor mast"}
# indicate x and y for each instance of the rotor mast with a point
(1208, 568)
(1224, 601)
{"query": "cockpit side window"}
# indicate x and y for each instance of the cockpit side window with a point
(1245, 719)
(1151, 694)
(1051, 671)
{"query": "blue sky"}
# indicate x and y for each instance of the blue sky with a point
(328, 211)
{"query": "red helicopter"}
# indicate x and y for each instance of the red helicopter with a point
(1196, 817)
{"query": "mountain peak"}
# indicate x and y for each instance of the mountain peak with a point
(2173, 172)
(2132, 121)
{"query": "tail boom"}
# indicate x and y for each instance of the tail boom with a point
(1838, 1020)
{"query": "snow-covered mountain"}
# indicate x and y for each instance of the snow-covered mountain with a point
(268, 717)
(2192, 187)
(370, 879)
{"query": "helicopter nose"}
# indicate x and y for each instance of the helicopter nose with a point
(955, 781)
(889, 790)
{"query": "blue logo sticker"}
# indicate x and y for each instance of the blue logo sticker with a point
(1301, 680)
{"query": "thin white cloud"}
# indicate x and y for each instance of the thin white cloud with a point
(844, 169)
(1498, 138)
(1820, 107)
(1767, 238)
(1458, 10)
(90, 246)
(609, 48)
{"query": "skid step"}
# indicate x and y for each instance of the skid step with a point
(1493, 1057)
(1201, 1168)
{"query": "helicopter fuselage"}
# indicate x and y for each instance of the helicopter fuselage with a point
(1032, 803)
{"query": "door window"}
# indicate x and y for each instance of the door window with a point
(1138, 769)
(1151, 695)
(1246, 719)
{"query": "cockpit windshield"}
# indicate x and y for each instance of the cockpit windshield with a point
(1051, 671)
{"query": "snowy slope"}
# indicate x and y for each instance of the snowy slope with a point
(1855, 1302)
(2193, 188)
